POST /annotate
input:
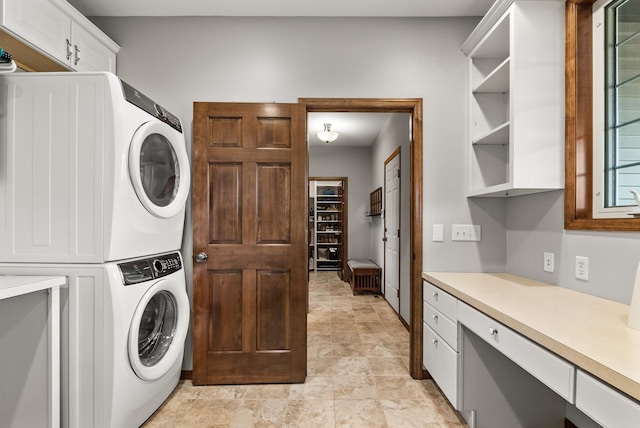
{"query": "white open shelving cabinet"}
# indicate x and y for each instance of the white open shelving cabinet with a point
(516, 99)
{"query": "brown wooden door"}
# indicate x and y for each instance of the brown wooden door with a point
(249, 217)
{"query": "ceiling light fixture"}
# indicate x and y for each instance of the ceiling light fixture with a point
(327, 135)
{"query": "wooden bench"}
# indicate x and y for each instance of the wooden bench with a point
(364, 275)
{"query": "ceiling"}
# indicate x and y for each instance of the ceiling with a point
(325, 8)
(354, 129)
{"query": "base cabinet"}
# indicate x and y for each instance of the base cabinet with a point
(440, 341)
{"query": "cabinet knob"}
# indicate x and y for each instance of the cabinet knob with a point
(493, 331)
(435, 341)
(435, 317)
(201, 257)
(77, 55)
(435, 295)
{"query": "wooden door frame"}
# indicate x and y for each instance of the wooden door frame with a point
(345, 220)
(412, 106)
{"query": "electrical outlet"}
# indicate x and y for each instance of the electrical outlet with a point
(582, 268)
(548, 262)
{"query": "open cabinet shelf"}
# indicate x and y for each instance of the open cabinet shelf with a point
(516, 99)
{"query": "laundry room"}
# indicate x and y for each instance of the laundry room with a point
(162, 234)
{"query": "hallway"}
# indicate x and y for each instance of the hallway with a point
(357, 376)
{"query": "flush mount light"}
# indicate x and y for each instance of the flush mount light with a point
(327, 135)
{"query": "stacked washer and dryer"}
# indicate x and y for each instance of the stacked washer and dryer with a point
(94, 179)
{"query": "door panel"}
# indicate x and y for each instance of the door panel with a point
(249, 211)
(392, 232)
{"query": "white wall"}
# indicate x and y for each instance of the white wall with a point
(353, 163)
(536, 225)
(395, 133)
(179, 60)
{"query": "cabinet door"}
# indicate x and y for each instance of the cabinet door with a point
(442, 362)
(89, 53)
(42, 24)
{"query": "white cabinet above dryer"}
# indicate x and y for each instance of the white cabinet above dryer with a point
(516, 99)
(59, 31)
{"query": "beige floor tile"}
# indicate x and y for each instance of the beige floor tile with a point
(310, 413)
(314, 388)
(399, 387)
(222, 392)
(388, 366)
(260, 414)
(348, 349)
(359, 413)
(354, 388)
(351, 366)
(267, 391)
(207, 412)
(409, 414)
(319, 367)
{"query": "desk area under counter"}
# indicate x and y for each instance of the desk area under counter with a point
(522, 342)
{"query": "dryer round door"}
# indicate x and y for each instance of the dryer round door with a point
(158, 329)
(159, 168)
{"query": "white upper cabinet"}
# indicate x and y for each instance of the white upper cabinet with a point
(58, 30)
(516, 99)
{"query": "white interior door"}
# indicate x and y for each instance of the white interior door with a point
(392, 232)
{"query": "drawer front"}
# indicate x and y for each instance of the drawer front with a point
(553, 371)
(441, 300)
(442, 362)
(603, 404)
(442, 325)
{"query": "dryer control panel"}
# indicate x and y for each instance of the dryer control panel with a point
(140, 100)
(142, 270)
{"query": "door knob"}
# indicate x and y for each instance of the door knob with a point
(384, 239)
(201, 257)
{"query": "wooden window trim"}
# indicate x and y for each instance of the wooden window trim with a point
(578, 202)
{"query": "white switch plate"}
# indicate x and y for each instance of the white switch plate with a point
(548, 262)
(438, 233)
(466, 232)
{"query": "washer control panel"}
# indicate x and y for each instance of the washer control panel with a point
(142, 270)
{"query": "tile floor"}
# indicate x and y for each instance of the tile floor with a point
(357, 376)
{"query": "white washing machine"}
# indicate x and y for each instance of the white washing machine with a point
(91, 170)
(123, 329)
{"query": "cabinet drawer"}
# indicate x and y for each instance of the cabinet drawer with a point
(442, 362)
(548, 368)
(603, 404)
(442, 325)
(441, 300)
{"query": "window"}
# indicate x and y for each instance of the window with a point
(616, 106)
(579, 143)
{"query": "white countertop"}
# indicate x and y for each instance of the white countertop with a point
(11, 286)
(588, 331)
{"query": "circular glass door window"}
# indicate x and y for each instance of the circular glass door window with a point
(157, 328)
(159, 168)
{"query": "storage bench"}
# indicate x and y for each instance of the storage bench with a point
(364, 275)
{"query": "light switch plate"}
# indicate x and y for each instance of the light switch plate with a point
(466, 232)
(438, 233)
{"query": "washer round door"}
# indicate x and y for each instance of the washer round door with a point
(159, 168)
(158, 329)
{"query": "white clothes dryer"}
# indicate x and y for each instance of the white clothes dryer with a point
(123, 328)
(91, 170)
